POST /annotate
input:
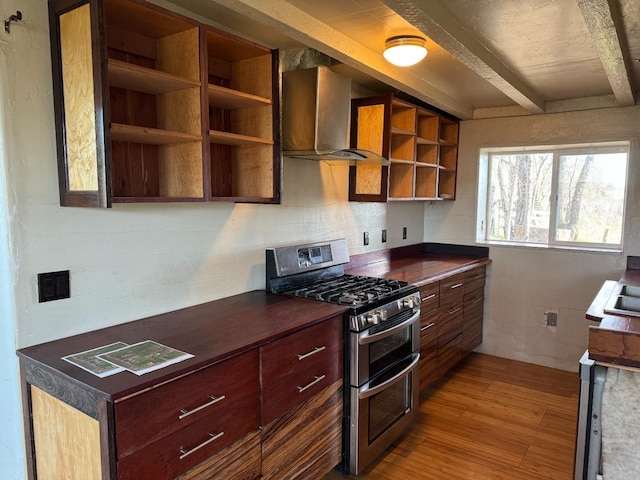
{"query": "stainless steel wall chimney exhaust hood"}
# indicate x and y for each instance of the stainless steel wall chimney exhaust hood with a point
(315, 118)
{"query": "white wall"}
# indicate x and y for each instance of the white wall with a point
(11, 450)
(524, 282)
(133, 261)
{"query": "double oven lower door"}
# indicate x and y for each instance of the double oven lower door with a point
(384, 385)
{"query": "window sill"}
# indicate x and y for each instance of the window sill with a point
(608, 251)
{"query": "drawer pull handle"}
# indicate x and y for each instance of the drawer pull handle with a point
(185, 453)
(186, 413)
(453, 310)
(456, 285)
(427, 326)
(309, 385)
(312, 352)
(476, 300)
(428, 297)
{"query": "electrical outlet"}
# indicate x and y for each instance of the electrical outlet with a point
(552, 319)
(384, 235)
(365, 238)
(53, 286)
(404, 233)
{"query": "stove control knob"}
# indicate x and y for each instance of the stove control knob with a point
(407, 302)
(382, 314)
(373, 318)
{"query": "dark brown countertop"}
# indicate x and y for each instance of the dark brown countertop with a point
(211, 332)
(416, 264)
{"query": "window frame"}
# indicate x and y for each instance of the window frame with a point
(557, 151)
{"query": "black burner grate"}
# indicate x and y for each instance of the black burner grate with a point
(352, 290)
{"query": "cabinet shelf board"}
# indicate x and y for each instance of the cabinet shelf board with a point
(403, 162)
(424, 141)
(146, 80)
(401, 199)
(230, 99)
(152, 136)
(156, 199)
(402, 131)
(447, 143)
(425, 164)
(227, 138)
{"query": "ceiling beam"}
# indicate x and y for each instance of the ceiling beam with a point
(306, 29)
(437, 23)
(599, 17)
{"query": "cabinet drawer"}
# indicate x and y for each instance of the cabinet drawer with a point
(429, 325)
(454, 282)
(449, 308)
(474, 279)
(474, 299)
(428, 360)
(449, 355)
(450, 329)
(472, 333)
(143, 419)
(299, 366)
(428, 367)
(429, 297)
(180, 451)
(452, 286)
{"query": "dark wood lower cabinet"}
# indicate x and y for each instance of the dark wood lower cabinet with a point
(450, 322)
(206, 424)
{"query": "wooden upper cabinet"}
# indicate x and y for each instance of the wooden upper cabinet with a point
(144, 96)
(420, 144)
(244, 118)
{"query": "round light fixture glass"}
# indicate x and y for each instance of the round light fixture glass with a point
(405, 50)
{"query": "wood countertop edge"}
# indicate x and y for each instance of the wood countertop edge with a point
(595, 312)
(41, 357)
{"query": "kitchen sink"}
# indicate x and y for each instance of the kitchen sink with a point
(630, 291)
(624, 300)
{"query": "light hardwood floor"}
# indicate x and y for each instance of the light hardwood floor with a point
(488, 419)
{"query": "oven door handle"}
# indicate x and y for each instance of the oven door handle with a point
(364, 338)
(365, 391)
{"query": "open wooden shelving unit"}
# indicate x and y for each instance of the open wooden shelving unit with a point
(420, 145)
(242, 126)
(183, 112)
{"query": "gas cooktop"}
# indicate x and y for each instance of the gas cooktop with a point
(351, 290)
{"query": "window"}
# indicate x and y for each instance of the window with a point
(570, 196)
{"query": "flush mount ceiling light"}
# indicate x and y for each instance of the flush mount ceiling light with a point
(405, 50)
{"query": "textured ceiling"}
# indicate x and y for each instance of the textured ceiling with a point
(485, 56)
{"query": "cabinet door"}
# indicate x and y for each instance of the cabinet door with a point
(370, 130)
(79, 93)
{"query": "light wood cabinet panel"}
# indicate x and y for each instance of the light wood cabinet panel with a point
(421, 146)
(58, 449)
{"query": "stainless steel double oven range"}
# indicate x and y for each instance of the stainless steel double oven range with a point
(382, 342)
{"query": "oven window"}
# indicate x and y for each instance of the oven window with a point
(388, 406)
(387, 352)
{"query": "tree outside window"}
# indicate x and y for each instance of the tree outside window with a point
(561, 196)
